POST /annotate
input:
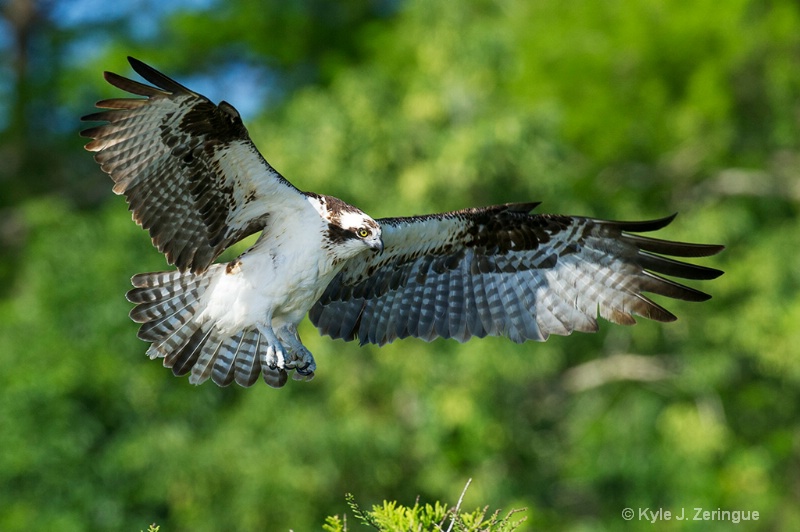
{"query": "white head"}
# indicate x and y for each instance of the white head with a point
(349, 231)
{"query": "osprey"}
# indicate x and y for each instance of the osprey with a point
(193, 178)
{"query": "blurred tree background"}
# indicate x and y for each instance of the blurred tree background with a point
(617, 109)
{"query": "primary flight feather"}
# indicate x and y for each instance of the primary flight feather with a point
(194, 179)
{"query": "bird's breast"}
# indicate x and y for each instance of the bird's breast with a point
(278, 277)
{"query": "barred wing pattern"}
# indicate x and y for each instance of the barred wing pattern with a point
(187, 167)
(502, 271)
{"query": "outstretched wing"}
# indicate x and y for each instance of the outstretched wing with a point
(502, 271)
(188, 169)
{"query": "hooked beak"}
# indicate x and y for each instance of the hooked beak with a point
(376, 245)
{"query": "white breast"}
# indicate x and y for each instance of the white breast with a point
(281, 276)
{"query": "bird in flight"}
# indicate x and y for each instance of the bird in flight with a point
(193, 178)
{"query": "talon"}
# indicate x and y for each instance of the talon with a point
(298, 376)
(297, 357)
(306, 370)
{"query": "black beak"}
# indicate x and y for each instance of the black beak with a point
(377, 245)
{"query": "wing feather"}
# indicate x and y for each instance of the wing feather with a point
(187, 167)
(482, 317)
(503, 271)
(456, 311)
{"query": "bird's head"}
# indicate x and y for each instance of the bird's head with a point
(349, 230)
(359, 230)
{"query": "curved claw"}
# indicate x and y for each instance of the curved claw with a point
(307, 376)
(301, 360)
(307, 369)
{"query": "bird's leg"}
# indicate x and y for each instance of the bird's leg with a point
(302, 360)
(276, 355)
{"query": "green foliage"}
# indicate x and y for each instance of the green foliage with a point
(610, 109)
(392, 517)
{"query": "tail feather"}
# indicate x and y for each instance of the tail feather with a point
(247, 365)
(163, 328)
(205, 362)
(167, 302)
(161, 294)
(222, 371)
(166, 306)
(149, 280)
(182, 360)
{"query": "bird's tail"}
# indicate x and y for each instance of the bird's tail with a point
(168, 305)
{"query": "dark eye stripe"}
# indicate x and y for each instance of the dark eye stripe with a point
(340, 234)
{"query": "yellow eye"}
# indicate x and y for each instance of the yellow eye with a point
(363, 232)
